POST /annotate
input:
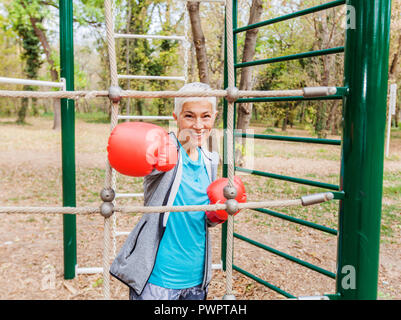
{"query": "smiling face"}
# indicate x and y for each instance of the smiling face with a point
(195, 123)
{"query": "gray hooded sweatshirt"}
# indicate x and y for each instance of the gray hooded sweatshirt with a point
(134, 263)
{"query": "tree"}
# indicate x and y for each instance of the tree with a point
(166, 56)
(199, 41)
(280, 40)
(31, 49)
(11, 63)
(394, 76)
(29, 16)
(148, 57)
(317, 31)
(246, 83)
(134, 56)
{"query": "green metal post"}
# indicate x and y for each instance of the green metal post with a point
(366, 75)
(225, 167)
(68, 137)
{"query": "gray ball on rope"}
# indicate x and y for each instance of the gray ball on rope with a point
(231, 206)
(107, 209)
(115, 94)
(107, 194)
(230, 192)
(232, 94)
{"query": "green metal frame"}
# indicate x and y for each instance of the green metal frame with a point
(364, 109)
(68, 137)
(364, 96)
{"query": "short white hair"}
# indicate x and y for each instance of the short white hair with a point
(194, 86)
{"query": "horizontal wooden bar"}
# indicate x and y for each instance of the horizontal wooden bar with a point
(284, 99)
(341, 93)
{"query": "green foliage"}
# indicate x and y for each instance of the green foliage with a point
(20, 15)
(149, 57)
(313, 32)
(165, 57)
(10, 62)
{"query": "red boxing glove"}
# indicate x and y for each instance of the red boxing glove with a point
(136, 148)
(216, 195)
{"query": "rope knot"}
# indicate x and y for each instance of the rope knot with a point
(107, 209)
(232, 206)
(115, 94)
(232, 94)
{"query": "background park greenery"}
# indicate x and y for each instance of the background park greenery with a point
(29, 48)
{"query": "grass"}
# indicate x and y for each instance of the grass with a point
(89, 117)
(394, 190)
(291, 150)
(327, 213)
(93, 117)
(44, 186)
(39, 183)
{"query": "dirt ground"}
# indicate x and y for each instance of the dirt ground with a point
(31, 245)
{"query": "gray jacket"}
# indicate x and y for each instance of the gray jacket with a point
(134, 263)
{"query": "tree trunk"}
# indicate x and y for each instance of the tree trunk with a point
(393, 76)
(302, 115)
(394, 63)
(245, 109)
(56, 114)
(139, 107)
(321, 116)
(285, 120)
(127, 58)
(21, 115)
(53, 71)
(199, 41)
(193, 63)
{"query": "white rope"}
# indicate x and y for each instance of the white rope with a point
(51, 210)
(110, 176)
(149, 209)
(230, 146)
(160, 94)
(114, 216)
(186, 44)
